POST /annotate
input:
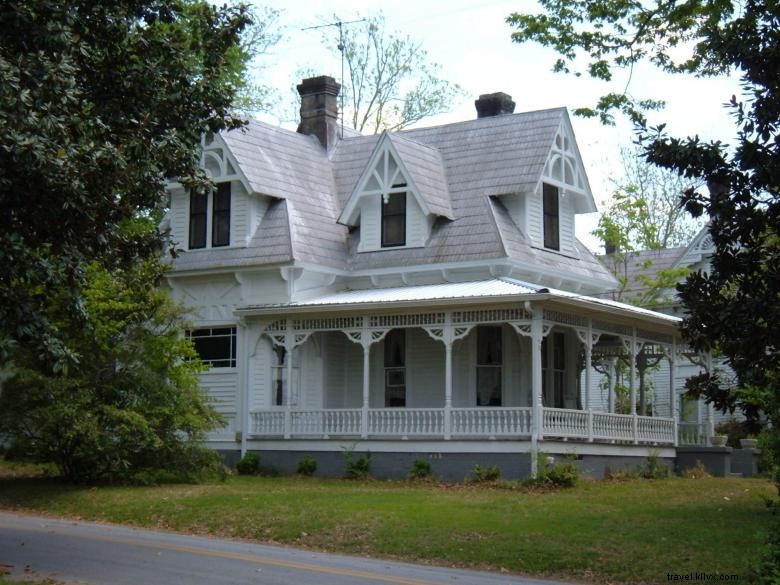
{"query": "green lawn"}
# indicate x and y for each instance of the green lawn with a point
(634, 532)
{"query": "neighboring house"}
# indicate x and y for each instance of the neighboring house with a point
(416, 294)
(641, 272)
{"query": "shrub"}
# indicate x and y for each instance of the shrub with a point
(564, 474)
(555, 474)
(734, 430)
(249, 464)
(654, 468)
(421, 469)
(356, 467)
(307, 465)
(698, 471)
(490, 473)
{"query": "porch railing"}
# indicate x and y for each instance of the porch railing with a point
(481, 422)
(692, 434)
(490, 422)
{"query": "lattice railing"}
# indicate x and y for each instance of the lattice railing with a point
(565, 318)
(412, 320)
(491, 315)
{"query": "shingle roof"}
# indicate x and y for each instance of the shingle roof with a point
(426, 168)
(459, 167)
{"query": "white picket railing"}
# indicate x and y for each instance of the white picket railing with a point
(325, 422)
(485, 422)
(406, 422)
(614, 427)
(268, 422)
(491, 422)
(692, 434)
(562, 422)
(652, 429)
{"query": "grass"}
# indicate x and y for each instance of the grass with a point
(633, 531)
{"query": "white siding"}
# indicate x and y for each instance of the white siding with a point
(353, 375)
(424, 370)
(334, 357)
(260, 376)
(370, 223)
(312, 375)
(222, 391)
(463, 394)
(416, 223)
(566, 224)
(180, 205)
(239, 214)
(257, 205)
(516, 206)
(534, 215)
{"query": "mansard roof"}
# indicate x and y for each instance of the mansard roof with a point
(459, 169)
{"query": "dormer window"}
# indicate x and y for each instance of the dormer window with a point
(220, 225)
(550, 211)
(198, 219)
(218, 204)
(394, 219)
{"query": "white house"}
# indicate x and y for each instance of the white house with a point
(417, 294)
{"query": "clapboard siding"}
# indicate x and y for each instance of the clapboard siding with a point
(566, 225)
(180, 203)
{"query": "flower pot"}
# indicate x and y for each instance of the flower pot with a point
(718, 440)
(748, 443)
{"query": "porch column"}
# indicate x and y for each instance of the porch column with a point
(612, 361)
(632, 385)
(289, 345)
(710, 406)
(366, 343)
(243, 383)
(537, 333)
(588, 356)
(448, 385)
(674, 403)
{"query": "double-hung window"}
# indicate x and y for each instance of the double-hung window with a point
(552, 238)
(554, 369)
(395, 368)
(210, 209)
(489, 366)
(216, 346)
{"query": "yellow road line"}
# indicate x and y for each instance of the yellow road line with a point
(224, 555)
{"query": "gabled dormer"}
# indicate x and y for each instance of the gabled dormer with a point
(546, 214)
(222, 217)
(399, 195)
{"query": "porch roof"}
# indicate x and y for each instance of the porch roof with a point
(493, 290)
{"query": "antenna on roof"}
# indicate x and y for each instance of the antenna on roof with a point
(341, 47)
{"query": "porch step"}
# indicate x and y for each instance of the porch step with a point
(735, 475)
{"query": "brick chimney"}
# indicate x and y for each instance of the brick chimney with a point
(320, 109)
(494, 104)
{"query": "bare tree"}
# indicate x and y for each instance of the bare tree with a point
(389, 83)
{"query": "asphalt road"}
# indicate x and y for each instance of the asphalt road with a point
(105, 554)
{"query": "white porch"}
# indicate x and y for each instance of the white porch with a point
(555, 378)
(464, 423)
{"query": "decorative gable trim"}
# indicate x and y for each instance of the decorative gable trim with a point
(219, 162)
(700, 247)
(387, 172)
(564, 169)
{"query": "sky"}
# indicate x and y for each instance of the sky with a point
(472, 43)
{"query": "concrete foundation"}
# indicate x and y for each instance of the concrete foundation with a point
(451, 467)
(745, 461)
(717, 460)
